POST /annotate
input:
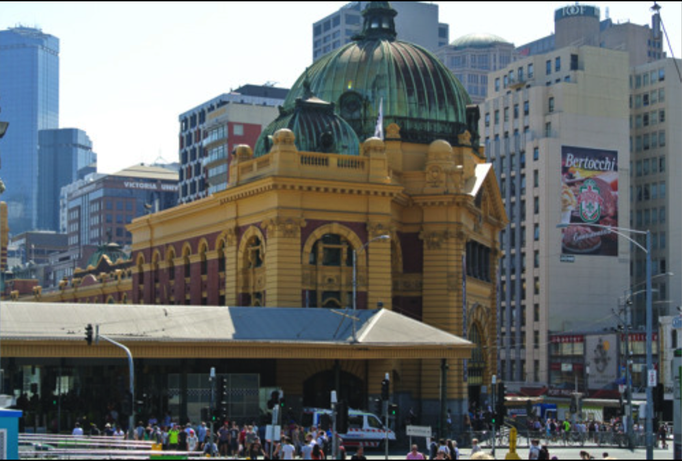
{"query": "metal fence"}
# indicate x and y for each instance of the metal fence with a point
(557, 439)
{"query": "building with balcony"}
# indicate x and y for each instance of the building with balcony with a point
(210, 131)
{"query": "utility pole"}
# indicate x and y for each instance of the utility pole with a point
(494, 406)
(335, 441)
(89, 337)
(211, 378)
(385, 390)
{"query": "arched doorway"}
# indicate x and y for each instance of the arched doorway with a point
(476, 367)
(317, 389)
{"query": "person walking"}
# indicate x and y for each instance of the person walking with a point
(415, 454)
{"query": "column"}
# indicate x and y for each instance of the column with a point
(283, 261)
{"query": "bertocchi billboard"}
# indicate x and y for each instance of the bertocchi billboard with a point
(589, 196)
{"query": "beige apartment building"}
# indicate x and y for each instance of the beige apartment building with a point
(655, 190)
(556, 129)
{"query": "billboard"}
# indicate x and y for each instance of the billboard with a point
(601, 354)
(589, 195)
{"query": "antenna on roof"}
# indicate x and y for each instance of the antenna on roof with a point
(657, 12)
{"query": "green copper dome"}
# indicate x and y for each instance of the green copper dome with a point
(112, 251)
(316, 127)
(415, 89)
(478, 40)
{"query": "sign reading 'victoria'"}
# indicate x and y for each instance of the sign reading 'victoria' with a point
(151, 186)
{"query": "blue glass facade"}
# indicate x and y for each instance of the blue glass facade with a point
(29, 98)
(64, 156)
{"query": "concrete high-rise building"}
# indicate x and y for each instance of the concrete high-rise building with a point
(562, 62)
(417, 22)
(656, 186)
(556, 129)
(64, 156)
(472, 57)
(29, 88)
(220, 128)
(580, 25)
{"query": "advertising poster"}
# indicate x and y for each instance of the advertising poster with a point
(602, 355)
(589, 195)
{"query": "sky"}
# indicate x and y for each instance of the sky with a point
(129, 69)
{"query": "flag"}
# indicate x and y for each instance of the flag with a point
(379, 130)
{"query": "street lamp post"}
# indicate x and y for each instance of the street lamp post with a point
(355, 276)
(649, 321)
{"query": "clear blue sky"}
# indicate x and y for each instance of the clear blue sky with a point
(128, 69)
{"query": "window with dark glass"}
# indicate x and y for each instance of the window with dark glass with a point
(478, 261)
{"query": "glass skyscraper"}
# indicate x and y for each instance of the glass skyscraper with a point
(29, 97)
(64, 156)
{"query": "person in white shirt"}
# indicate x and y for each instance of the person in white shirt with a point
(286, 449)
(77, 431)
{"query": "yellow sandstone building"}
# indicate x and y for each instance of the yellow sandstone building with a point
(373, 173)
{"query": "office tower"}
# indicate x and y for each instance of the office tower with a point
(98, 208)
(417, 22)
(64, 156)
(29, 92)
(472, 57)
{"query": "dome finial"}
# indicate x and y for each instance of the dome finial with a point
(379, 22)
(307, 88)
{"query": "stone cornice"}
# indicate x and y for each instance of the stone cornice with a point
(303, 185)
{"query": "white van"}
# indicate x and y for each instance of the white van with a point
(364, 429)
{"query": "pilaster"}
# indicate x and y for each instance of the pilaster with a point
(283, 261)
(231, 260)
(380, 286)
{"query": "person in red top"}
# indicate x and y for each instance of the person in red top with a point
(414, 454)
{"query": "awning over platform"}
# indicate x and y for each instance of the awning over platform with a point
(58, 330)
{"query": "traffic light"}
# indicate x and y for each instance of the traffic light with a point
(377, 407)
(500, 408)
(385, 385)
(274, 400)
(659, 397)
(88, 334)
(342, 417)
(325, 422)
(393, 410)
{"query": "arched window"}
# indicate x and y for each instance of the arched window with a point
(253, 271)
(254, 254)
(203, 261)
(186, 263)
(170, 258)
(331, 258)
(332, 251)
(221, 257)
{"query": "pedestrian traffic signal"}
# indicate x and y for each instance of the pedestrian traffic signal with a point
(385, 384)
(393, 410)
(88, 334)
